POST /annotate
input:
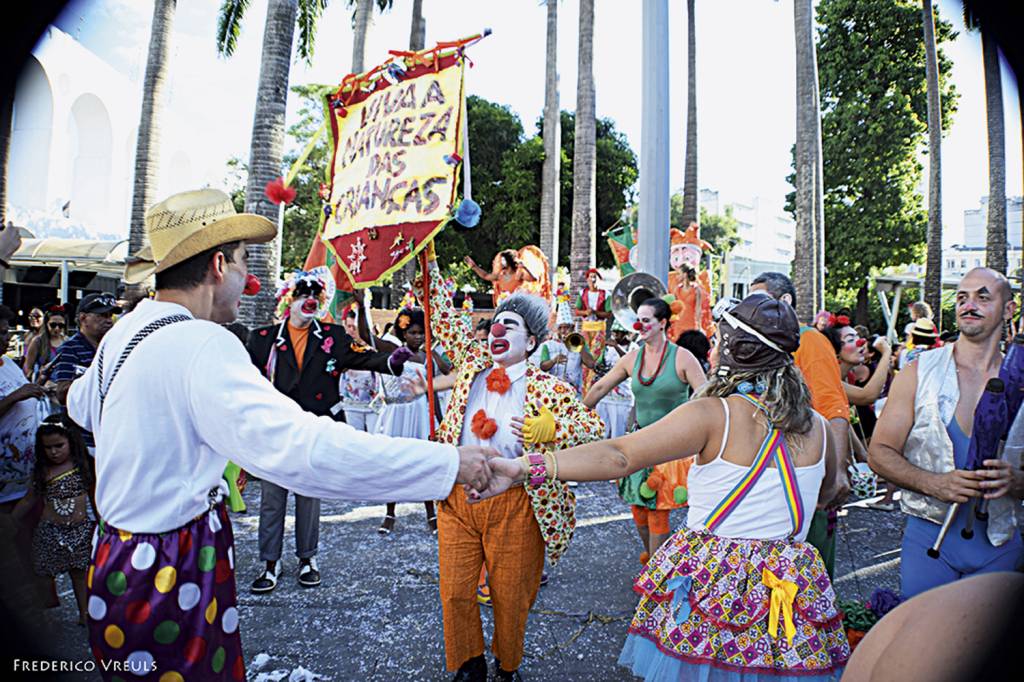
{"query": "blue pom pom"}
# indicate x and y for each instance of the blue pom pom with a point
(468, 213)
(745, 387)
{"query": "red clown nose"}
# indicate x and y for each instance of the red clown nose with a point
(861, 343)
(498, 329)
(637, 325)
(252, 285)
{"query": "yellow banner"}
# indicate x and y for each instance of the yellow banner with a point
(389, 164)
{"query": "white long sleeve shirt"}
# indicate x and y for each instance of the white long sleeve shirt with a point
(188, 399)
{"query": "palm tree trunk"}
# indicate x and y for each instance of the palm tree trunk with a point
(584, 172)
(805, 247)
(418, 31)
(147, 148)
(6, 113)
(364, 8)
(550, 184)
(690, 208)
(933, 264)
(266, 151)
(995, 242)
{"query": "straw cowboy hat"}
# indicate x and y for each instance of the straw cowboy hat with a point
(186, 224)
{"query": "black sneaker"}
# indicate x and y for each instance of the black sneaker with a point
(267, 580)
(309, 574)
(504, 675)
(473, 670)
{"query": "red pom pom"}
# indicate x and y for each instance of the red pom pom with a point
(279, 193)
(842, 321)
(483, 427)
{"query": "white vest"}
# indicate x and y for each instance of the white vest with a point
(930, 448)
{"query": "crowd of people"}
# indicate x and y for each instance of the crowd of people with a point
(757, 424)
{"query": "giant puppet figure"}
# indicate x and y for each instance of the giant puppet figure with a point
(689, 284)
(593, 307)
(501, 401)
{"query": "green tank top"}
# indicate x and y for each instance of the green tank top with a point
(665, 394)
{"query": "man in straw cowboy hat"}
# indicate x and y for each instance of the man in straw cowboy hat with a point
(171, 396)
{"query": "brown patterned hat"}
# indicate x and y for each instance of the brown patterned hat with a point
(189, 223)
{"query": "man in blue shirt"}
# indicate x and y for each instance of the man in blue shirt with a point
(95, 318)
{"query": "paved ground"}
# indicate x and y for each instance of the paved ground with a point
(377, 615)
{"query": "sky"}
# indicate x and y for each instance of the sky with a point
(745, 81)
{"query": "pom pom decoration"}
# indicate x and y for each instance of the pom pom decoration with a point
(498, 381)
(279, 193)
(324, 191)
(483, 427)
(842, 321)
(680, 495)
(468, 213)
(252, 286)
(646, 492)
(327, 210)
(467, 304)
(655, 480)
(676, 307)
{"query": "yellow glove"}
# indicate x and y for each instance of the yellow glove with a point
(431, 252)
(539, 429)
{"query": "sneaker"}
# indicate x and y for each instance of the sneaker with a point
(309, 574)
(504, 675)
(483, 595)
(543, 578)
(267, 580)
(473, 670)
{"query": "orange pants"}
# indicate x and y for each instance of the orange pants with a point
(502, 534)
(656, 519)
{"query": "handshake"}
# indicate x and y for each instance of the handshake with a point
(485, 471)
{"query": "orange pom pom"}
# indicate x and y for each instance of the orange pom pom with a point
(482, 426)
(676, 307)
(655, 480)
(498, 381)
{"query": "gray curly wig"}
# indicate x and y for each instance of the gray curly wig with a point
(534, 311)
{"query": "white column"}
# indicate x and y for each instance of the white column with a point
(653, 227)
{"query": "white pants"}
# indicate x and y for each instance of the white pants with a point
(615, 415)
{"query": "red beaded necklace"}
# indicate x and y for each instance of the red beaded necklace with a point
(661, 363)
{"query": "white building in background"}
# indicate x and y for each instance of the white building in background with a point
(976, 223)
(72, 155)
(959, 258)
(766, 233)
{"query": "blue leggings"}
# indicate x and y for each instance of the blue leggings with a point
(959, 558)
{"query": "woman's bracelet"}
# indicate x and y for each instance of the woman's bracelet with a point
(538, 468)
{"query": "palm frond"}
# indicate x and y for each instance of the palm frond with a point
(229, 25)
(310, 12)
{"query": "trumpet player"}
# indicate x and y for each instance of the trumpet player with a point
(565, 356)
(921, 443)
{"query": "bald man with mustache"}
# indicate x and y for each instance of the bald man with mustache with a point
(921, 441)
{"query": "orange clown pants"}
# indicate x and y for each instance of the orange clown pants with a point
(502, 534)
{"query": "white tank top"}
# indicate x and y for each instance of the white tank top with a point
(762, 514)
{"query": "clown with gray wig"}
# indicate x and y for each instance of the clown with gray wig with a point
(501, 401)
(304, 357)
(738, 592)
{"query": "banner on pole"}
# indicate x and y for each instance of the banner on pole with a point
(395, 162)
(622, 242)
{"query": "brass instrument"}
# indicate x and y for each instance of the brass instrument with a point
(630, 293)
(574, 342)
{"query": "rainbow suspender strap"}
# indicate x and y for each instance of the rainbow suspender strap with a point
(773, 447)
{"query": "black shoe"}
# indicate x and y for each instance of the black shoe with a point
(473, 670)
(309, 575)
(543, 578)
(267, 580)
(504, 675)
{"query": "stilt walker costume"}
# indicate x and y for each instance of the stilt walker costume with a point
(511, 532)
(593, 306)
(695, 300)
(171, 397)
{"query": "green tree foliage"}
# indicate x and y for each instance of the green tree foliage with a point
(871, 68)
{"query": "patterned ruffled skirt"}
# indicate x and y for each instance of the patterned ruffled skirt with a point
(718, 609)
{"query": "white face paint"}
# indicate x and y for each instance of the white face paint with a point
(509, 340)
(303, 310)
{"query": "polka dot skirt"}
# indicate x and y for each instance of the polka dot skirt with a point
(162, 607)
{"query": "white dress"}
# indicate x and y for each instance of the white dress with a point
(404, 413)
(615, 406)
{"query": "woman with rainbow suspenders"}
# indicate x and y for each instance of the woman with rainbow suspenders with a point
(738, 592)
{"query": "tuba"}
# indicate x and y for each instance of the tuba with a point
(631, 291)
